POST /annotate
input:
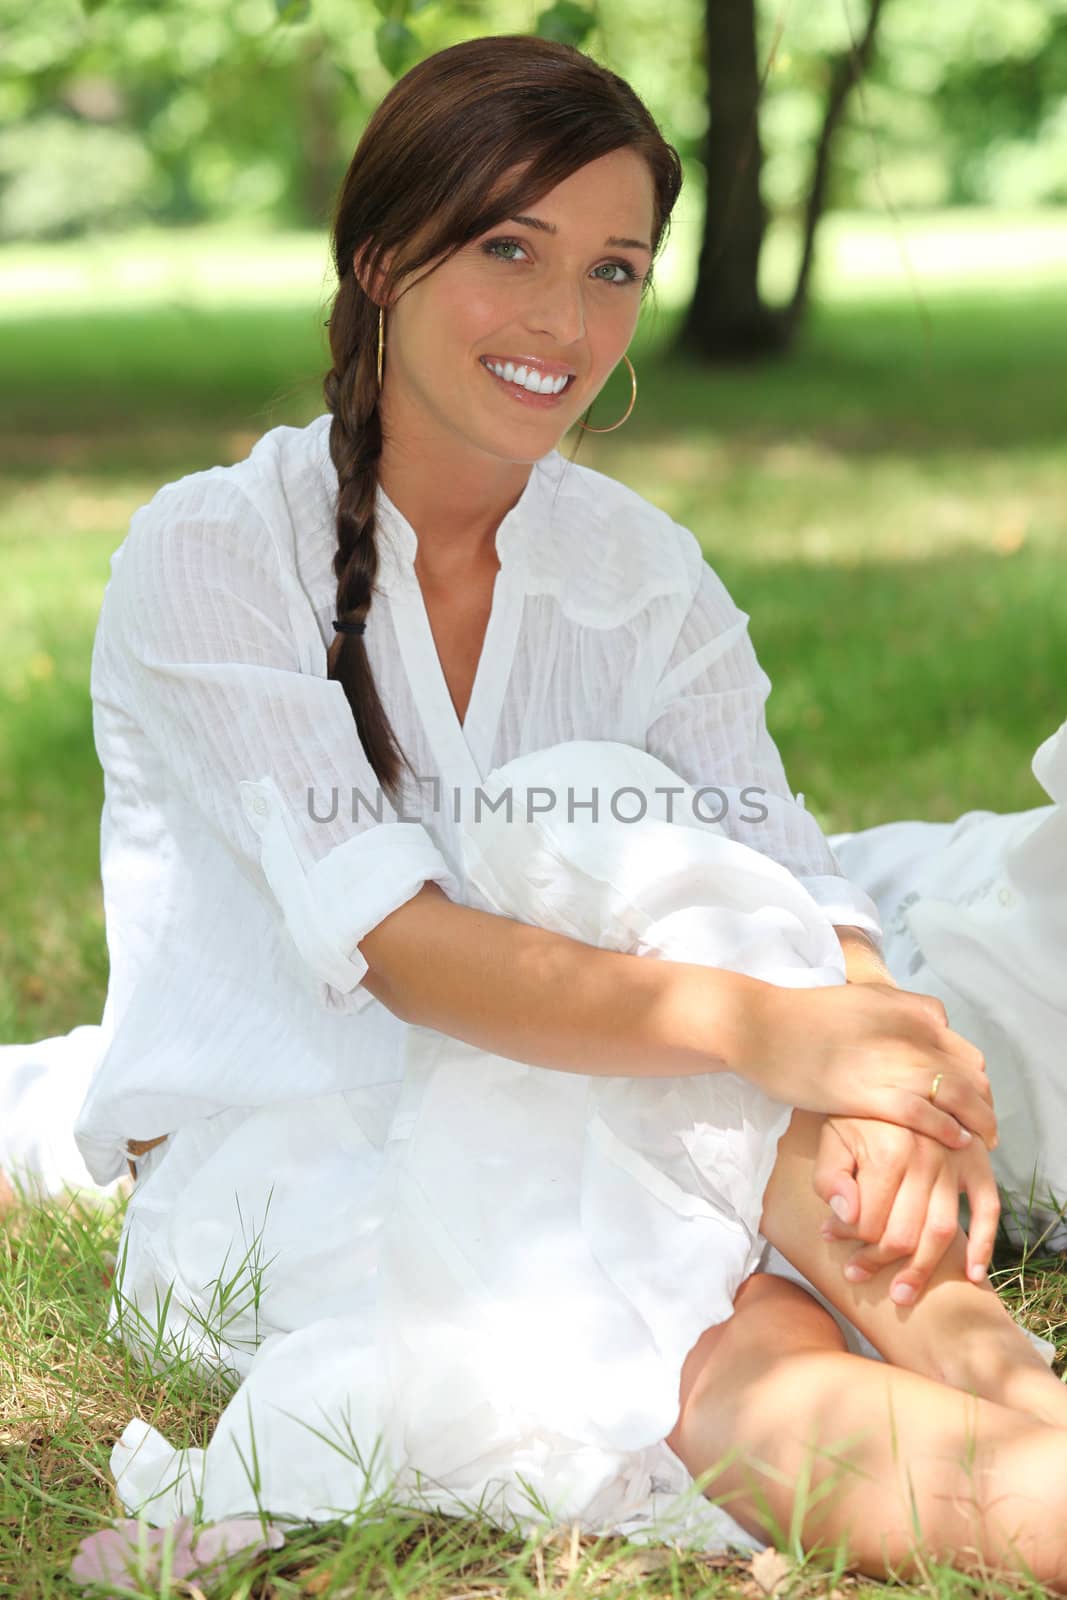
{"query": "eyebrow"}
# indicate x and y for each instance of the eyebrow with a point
(550, 227)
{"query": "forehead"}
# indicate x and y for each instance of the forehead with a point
(611, 195)
(616, 187)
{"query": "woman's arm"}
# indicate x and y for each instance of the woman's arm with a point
(540, 997)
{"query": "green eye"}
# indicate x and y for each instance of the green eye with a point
(496, 244)
(629, 275)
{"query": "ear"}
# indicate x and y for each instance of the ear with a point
(370, 282)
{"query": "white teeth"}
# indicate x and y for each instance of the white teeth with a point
(532, 379)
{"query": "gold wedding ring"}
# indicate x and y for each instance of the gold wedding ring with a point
(935, 1086)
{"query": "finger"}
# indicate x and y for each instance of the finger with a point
(984, 1202)
(966, 1058)
(941, 1227)
(970, 1104)
(845, 1202)
(878, 1183)
(964, 1049)
(957, 1096)
(833, 1177)
(904, 1226)
(916, 1111)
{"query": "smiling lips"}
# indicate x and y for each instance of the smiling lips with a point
(525, 375)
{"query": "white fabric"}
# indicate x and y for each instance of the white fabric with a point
(42, 1086)
(975, 912)
(246, 847)
(494, 1307)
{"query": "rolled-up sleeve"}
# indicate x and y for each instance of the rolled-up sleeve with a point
(198, 615)
(708, 722)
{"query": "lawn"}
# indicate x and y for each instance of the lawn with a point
(889, 506)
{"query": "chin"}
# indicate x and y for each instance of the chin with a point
(510, 447)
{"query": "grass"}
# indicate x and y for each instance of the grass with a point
(888, 506)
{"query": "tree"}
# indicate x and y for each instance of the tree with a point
(727, 319)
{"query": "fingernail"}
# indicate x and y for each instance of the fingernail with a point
(977, 1272)
(856, 1274)
(902, 1294)
(839, 1207)
(965, 1136)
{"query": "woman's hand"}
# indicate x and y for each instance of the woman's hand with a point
(869, 1050)
(899, 1192)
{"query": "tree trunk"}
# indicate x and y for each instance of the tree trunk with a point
(726, 319)
(846, 72)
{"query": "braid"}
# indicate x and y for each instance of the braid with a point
(350, 390)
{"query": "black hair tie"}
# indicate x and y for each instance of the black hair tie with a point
(350, 627)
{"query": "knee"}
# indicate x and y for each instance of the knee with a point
(792, 1318)
(772, 1317)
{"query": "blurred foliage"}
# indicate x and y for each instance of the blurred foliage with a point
(187, 110)
(964, 104)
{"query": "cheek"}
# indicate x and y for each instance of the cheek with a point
(611, 317)
(474, 307)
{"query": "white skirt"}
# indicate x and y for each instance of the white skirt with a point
(478, 1296)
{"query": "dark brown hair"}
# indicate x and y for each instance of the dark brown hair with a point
(425, 181)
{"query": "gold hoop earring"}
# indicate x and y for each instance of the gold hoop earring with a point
(629, 408)
(381, 341)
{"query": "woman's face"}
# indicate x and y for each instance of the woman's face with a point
(566, 296)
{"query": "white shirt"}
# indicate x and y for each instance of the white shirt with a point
(235, 900)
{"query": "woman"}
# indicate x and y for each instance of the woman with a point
(274, 639)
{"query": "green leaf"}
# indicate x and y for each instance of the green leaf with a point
(398, 47)
(397, 10)
(92, 5)
(567, 22)
(293, 10)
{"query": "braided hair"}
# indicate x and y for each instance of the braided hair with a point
(466, 138)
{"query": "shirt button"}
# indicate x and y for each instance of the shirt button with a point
(1006, 897)
(260, 805)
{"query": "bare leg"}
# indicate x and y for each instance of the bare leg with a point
(893, 1468)
(957, 1332)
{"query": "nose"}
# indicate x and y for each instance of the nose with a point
(558, 312)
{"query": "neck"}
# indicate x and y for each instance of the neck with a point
(455, 505)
